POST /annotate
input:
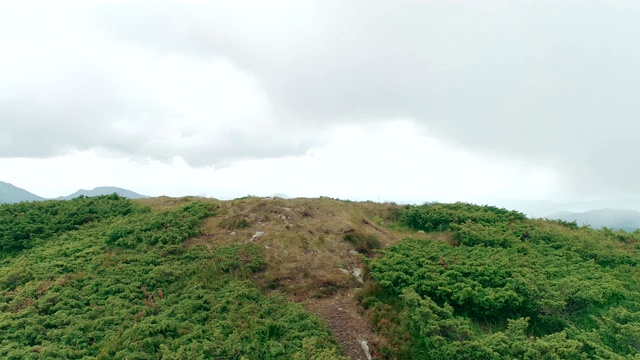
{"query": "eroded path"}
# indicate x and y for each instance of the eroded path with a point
(346, 321)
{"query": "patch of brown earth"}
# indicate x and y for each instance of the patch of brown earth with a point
(344, 317)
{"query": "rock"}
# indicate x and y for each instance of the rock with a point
(353, 252)
(420, 232)
(344, 270)
(357, 272)
(257, 235)
(365, 347)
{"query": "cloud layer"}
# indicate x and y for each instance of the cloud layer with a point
(551, 83)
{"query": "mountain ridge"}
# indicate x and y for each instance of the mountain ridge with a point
(10, 194)
(103, 190)
(617, 219)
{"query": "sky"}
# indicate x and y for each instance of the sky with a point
(405, 101)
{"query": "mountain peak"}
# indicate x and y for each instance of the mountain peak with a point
(104, 190)
(624, 219)
(10, 194)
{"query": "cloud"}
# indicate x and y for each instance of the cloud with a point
(71, 87)
(388, 161)
(551, 83)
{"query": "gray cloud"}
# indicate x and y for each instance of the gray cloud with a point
(554, 83)
(70, 85)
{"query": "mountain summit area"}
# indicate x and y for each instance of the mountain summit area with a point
(272, 278)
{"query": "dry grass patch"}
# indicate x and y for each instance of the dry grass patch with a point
(303, 239)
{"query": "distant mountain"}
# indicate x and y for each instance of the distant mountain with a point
(628, 220)
(10, 194)
(542, 208)
(103, 190)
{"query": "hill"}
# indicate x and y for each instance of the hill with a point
(103, 190)
(628, 220)
(272, 278)
(542, 208)
(10, 194)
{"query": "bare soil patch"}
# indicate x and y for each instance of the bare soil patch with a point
(345, 319)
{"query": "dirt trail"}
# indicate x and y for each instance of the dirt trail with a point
(344, 318)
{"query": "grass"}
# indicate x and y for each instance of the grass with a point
(304, 239)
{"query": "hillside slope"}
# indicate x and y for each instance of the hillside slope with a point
(107, 278)
(273, 278)
(307, 257)
(10, 194)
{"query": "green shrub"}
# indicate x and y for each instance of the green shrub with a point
(115, 280)
(25, 225)
(509, 289)
(441, 217)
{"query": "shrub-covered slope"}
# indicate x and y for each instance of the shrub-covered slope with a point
(505, 287)
(107, 278)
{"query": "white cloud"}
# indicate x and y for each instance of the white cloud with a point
(384, 162)
(541, 93)
(71, 86)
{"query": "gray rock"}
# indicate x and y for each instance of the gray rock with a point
(365, 347)
(357, 272)
(257, 235)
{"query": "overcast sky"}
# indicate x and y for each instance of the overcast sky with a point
(406, 101)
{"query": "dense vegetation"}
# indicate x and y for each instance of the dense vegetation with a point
(107, 278)
(505, 287)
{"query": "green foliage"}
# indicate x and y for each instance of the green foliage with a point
(441, 217)
(237, 257)
(118, 283)
(167, 228)
(24, 225)
(509, 288)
